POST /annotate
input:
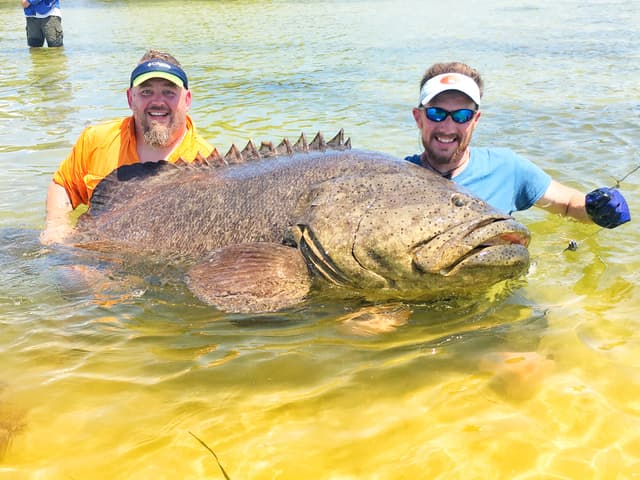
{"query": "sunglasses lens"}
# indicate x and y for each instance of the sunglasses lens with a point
(436, 114)
(462, 115)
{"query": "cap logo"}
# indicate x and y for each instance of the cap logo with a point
(449, 79)
(159, 64)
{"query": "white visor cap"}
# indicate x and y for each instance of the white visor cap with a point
(449, 81)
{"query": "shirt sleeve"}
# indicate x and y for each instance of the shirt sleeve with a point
(531, 183)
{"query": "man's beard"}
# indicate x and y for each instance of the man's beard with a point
(440, 159)
(157, 135)
(436, 158)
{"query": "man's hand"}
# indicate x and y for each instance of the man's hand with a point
(607, 207)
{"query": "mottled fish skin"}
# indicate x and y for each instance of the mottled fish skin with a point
(362, 220)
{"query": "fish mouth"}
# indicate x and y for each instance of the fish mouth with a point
(498, 242)
(504, 255)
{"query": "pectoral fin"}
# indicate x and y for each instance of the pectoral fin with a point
(251, 277)
(376, 319)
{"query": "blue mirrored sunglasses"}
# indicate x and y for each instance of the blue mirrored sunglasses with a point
(437, 114)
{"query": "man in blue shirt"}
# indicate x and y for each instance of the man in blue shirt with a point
(44, 21)
(450, 95)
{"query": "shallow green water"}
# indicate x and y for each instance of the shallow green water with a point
(110, 387)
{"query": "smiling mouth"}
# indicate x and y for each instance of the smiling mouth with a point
(446, 140)
(157, 115)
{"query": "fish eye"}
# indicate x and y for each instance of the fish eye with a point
(458, 201)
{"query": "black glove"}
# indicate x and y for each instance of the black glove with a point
(607, 207)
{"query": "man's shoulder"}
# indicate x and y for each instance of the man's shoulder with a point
(194, 141)
(505, 163)
(494, 153)
(105, 129)
(106, 125)
(498, 158)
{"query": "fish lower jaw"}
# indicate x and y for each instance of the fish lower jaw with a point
(511, 259)
(507, 256)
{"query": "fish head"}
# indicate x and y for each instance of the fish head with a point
(409, 234)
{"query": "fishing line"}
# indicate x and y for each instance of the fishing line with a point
(573, 244)
(634, 170)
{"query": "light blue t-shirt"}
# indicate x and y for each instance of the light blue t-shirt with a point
(501, 178)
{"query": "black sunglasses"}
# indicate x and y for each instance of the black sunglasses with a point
(437, 114)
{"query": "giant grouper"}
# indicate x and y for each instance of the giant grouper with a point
(258, 229)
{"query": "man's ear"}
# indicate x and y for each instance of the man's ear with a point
(129, 97)
(417, 116)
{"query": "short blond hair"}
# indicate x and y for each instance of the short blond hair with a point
(157, 54)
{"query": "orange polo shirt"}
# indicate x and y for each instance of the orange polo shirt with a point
(101, 149)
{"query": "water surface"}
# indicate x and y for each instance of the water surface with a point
(109, 386)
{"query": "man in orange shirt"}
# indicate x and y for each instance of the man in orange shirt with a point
(159, 129)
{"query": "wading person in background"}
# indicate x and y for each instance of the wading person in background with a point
(448, 112)
(44, 22)
(159, 129)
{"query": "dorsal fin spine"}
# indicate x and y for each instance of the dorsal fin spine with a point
(301, 145)
(250, 152)
(318, 143)
(337, 142)
(266, 150)
(233, 156)
(215, 158)
(284, 147)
